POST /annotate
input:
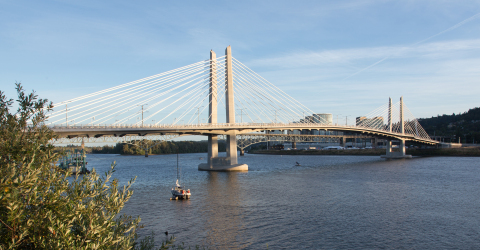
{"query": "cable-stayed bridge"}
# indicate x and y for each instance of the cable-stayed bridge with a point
(215, 97)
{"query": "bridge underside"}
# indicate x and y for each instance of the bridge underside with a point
(96, 132)
(244, 138)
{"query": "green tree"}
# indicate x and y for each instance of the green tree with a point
(39, 207)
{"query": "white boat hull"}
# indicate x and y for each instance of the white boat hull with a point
(179, 193)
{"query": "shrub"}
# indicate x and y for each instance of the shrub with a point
(39, 207)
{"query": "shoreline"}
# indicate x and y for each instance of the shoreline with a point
(473, 151)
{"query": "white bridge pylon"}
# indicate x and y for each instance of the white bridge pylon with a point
(219, 96)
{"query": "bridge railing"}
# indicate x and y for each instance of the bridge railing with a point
(201, 125)
(269, 126)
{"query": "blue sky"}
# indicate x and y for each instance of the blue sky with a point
(340, 57)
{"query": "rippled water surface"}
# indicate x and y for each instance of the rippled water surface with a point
(330, 202)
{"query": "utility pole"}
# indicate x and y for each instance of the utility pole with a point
(198, 112)
(142, 111)
(241, 115)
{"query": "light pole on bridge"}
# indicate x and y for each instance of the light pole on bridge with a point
(275, 115)
(241, 115)
(346, 120)
(198, 112)
(66, 113)
(142, 111)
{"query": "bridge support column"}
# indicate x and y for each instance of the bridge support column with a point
(389, 147)
(229, 163)
(232, 151)
(242, 152)
(212, 149)
(402, 148)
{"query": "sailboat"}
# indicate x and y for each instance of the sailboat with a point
(179, 192)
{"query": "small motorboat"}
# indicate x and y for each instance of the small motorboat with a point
(179, 192)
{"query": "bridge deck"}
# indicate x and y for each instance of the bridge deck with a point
(222, 129)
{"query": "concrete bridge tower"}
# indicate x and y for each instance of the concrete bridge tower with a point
(229, 163)
(390, 154)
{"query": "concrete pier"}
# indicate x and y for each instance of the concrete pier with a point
(223, 168)
(390, 154)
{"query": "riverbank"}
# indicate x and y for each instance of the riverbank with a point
(473, 151)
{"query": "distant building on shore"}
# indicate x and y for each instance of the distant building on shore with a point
(324, 118)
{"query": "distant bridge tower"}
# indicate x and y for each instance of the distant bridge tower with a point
(390, 154)
(229, 163)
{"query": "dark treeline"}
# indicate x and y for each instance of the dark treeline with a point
(164, 147)
(465, 151)
(465, 125)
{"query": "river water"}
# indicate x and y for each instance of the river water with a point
(329, 202)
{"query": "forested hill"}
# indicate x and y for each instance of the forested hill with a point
(464, 125)
(165, 147)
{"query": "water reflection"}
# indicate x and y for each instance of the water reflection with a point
(223, 210)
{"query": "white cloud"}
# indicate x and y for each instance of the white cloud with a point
(347, 56)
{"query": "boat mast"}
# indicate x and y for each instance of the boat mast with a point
(177, 166)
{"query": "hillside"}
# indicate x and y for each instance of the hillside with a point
(464, 125)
